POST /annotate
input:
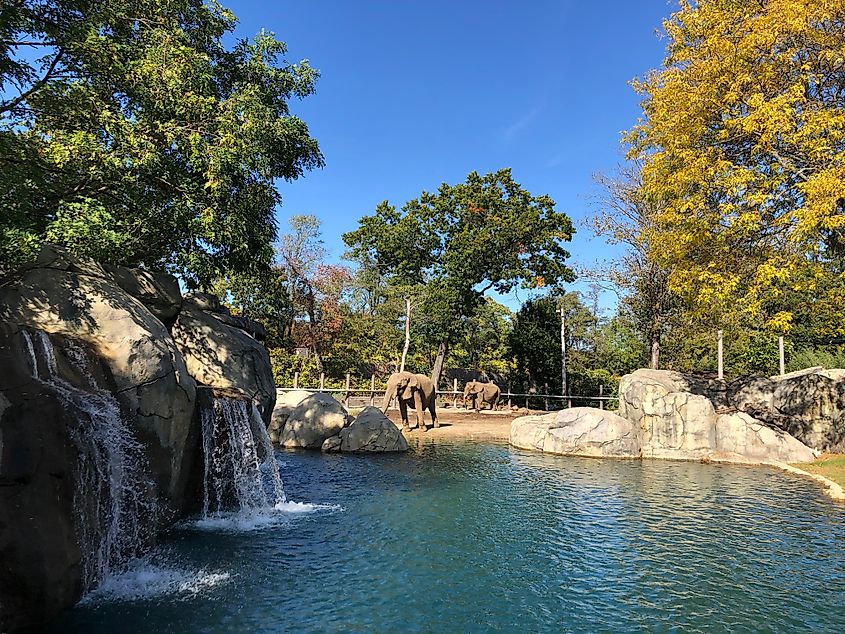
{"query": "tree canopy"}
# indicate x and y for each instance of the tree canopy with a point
(463, 240)
(131, 133)
(743, 143)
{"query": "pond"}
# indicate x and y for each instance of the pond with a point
(470, 537)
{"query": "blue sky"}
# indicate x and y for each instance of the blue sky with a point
(413, 94)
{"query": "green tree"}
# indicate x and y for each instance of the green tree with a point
(461, 241)
(131, 133)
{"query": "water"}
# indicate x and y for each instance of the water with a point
(483, 538)
(241, 474)
(113, 493)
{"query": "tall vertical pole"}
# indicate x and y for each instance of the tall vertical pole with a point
(782, 358)
(564, 390)
(719, 352)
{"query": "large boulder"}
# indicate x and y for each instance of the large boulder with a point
(579, 431)
(741, 434)
(77, 298)
(316, 418)
(671, 422)
(811, 407)
(221, 356)
(371, 431)
(159, 292)
(40, 557)
(286, 402)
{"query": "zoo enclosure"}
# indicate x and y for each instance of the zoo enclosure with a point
(369, 395)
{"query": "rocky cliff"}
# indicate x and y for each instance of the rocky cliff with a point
(101, 364)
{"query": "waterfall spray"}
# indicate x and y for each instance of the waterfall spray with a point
(115, 508)
(236, 477)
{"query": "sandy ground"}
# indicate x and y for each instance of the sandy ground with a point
(460, 424)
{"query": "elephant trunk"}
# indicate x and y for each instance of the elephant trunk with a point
(388, 396)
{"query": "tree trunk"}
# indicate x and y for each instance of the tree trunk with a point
(442, 349)
(407, 334)
(655, 353)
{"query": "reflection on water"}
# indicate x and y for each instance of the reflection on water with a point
(479, 537)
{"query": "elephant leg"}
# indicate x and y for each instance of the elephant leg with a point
(419, 407)
(431, 408)
(403, 411)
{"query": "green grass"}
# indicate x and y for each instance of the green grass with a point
(830, 465)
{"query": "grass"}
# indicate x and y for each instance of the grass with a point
(830, 465)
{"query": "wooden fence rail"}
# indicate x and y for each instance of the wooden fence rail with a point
(371, 392)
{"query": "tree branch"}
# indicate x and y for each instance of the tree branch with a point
(11, 105)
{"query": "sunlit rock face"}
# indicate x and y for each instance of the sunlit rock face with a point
(286, 402)
(78, 298)
(676, 417)
(221, 355)
(578, 431)
(370, 432)
(312, 421)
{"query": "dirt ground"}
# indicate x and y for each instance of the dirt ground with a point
(458, 423)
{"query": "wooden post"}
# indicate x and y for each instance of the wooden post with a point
(455, 390)
(372, 390)
(782, 357)
(296, 380)
(601, 395)
(510, 405)
(546, 399)
(322, 381)
(719, 354)
(347, 390)
(564, 387)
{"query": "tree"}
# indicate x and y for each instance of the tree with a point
(743, 143)
(131, 133)
(461, 241)
(315, 288)
(627, 216)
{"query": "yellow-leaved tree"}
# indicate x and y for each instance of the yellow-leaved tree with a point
(743, 144)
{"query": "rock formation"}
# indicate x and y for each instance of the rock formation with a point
(312, 421)
(370, 432)
(286, 402)
(95, 388)
(579, 431)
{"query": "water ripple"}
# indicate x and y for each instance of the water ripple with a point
(482, 538)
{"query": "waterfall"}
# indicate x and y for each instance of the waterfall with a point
(236, 476)
(113, 500)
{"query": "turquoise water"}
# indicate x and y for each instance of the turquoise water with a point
(483, 538)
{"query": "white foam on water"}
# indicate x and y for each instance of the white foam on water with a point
(143, 580)
(250, 521)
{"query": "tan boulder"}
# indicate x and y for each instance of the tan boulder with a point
(286, 402)
(314, 419)
(741, 434)
(578, 431)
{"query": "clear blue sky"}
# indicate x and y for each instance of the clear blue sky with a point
(413, 94)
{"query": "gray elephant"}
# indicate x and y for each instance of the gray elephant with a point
(411, 389)
(479, 393)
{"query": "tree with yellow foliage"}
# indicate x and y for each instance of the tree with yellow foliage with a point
(743, 144)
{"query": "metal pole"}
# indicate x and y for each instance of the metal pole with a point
(347, 390)
(782, 358)
(564, 390)
(719, 353)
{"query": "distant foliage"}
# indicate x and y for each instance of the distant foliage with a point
(131, 133)
(830, 357)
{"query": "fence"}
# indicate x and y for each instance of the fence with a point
(370, 394)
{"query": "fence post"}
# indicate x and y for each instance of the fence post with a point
(372, 390)
(510, 406)
(454, 392)
(546, 399)
(347, 390)
(296, 380)
(601, 395)
(782, 358)
(719, 354)
(322, 381)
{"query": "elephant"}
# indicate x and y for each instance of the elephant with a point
(415, 389)
(480, 393)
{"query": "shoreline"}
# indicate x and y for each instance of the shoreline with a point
(459, 424)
